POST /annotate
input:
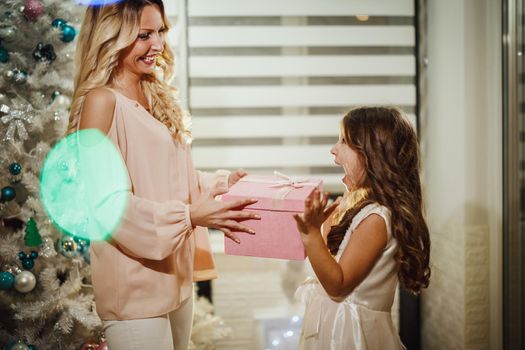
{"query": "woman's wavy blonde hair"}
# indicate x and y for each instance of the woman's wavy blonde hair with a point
(105, 34)
(389, 150)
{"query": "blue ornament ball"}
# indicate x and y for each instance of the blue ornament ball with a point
(32, 347)
(15, 168)
(4, 55)
(28, 264)
(20, 345)
(7, 280)
(68, 247)
(8, 194)
(58, 23)
(68, 33)
(82, 244)
(28, 259)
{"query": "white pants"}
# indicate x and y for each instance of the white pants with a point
(167, 332)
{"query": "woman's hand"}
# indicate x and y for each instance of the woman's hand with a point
(223, 216)
(315, 213)
(236, 176)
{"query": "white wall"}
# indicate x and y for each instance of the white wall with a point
(462, 166)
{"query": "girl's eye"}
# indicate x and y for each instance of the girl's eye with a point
(144, 36)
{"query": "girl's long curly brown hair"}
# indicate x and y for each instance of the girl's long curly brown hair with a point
(388, 147)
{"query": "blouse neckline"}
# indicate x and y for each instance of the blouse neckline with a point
(137, 103)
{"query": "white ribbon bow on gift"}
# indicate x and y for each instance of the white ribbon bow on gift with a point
(288, 184)
(295, 182)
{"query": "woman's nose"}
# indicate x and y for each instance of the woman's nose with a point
(332, 150)
(158, 43)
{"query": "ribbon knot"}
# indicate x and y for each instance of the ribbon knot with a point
(286, 184)
(289, 181)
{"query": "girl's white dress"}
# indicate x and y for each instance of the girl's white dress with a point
(362, 321)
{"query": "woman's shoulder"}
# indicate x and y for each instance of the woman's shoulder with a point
(101, 95)
(97, 110)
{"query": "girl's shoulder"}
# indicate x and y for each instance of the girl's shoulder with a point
(366, 211)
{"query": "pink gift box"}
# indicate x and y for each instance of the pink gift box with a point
(278, 199)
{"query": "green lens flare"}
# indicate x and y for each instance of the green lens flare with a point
(84, 185)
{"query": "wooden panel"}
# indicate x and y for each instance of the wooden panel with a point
(264, 36)
(262, 66)
(301, 7)
(289, 96)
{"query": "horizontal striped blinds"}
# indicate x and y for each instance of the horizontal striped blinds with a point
(267, 82)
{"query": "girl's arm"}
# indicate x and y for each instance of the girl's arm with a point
(360, 255)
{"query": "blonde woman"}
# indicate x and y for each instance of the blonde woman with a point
(142, 277)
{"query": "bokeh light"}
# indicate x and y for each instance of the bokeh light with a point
(96, 2)
(84, 185)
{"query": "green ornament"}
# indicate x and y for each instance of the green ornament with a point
(32, 237)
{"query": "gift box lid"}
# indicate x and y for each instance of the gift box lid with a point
(273, 192)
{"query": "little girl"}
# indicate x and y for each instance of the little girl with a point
(376, 236)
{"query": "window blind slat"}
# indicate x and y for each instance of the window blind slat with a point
(266, 126)
(246, 127)
(261, 66)
(296, 96)
(275, 157)
(300, 7)
(271, 36)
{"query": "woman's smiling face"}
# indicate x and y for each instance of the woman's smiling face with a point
(140, 57)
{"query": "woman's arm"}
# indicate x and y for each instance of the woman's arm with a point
(150, 229)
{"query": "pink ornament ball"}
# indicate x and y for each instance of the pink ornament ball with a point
(102, 346)
(90, 346)
(33, 9)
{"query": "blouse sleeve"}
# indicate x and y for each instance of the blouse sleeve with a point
(215, 182)
(151, 230)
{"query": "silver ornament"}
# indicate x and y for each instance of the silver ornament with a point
(19, 346)
(3, 98)
(8, 75)
(25, 282)
(8, 34)
(20, 77)
(62, 102)
(68, 247)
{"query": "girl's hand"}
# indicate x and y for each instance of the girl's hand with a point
(236, 176)
(225, 217)
(316, 212)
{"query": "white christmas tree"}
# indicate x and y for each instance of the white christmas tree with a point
(46, 301)
(44, 298)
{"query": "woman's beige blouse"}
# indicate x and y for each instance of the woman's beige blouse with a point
(148, 266)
